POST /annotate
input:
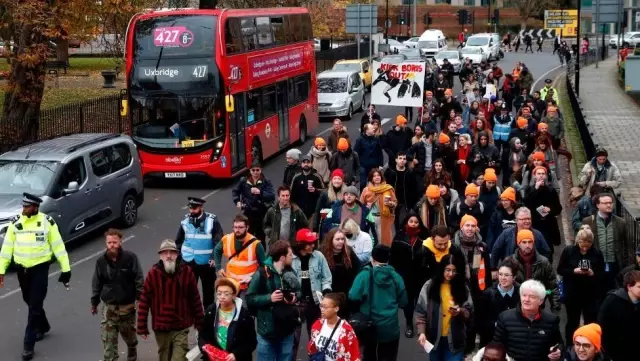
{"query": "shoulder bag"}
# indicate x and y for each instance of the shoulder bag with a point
(320, 355)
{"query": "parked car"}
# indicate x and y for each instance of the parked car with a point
(340, 93)
(453, 56)
(394, 45)
(632, 38)
(358, 65)
(86, 181)
(489, 43)
(476, 54)
(412, 42)
(412, 54)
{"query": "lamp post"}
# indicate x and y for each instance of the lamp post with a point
(387, 25)
(577, 65)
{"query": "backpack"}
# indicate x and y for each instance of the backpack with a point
(479, 203)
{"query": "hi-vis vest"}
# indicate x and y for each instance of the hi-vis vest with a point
(241, 267)
(198, 244)
(501, 130)
(32, 241)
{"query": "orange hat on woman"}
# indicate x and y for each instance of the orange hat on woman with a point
(443, 138)
(433, 191)
(448, 92)
(539, 167)
(543, 126)
(524, 234)
(592, 332)
(509, 194)
(343, 144)
(319, 141)
(522, 122)
(400, 120)
(467, 218)
(537, 156)
(471, 190)
(490, 175)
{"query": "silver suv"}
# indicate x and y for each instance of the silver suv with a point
(340, 93)
(86, 181)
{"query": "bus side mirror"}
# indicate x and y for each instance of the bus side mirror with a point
(124, 105)
(228, 102)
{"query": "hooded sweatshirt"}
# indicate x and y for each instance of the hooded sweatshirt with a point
(617, 317)
(389, 294)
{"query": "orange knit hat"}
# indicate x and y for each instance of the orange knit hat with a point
(443, 138)
(543, 126)
(343, 144)
(400, 120)
(490, 175)
(539, 167)
(509, 194)
(591, 332)
(467, 218)
(537, 156)
(448, 92)
(471, 189)
(524, 234)
(433, 191)
(319, 141)
(522, 122)
(428, 93)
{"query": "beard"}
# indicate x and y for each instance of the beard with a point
(112, 252)
(169, 266)
(240, 235)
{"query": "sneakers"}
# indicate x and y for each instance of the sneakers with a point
(27, 355)
(408, 332)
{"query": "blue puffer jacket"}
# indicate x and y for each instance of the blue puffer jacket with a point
(369, 150)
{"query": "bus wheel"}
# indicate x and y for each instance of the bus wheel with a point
(303, 130)
(256, 151)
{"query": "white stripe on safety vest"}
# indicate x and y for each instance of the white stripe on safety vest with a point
(240, 278)
(60, 253)
(250, 253)
(32, 255)
(5, 256)
(238, 263)
(197, 236)
(56, 243)
(28, 244)
(25, 231)
(203, 251)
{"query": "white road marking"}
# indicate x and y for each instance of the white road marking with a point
(385, 121)
(207, 195)
(74, 264)
(541, 77)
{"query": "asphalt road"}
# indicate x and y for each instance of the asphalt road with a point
(75, 333)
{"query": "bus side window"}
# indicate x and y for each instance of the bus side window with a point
(302, 88)
(254, 106)
(307, 29)
(291, 90)
(233, 36)
(277, 25)
(287, 28)
(295, 28)
(265, 37)
(249, 36)
(268, 101)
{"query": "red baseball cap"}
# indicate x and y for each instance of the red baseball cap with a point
(305, 235)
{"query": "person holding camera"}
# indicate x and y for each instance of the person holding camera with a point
(582, 269)
(271, 296)
(314, 275)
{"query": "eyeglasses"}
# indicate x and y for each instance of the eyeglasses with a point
(505, 275)
(224, 294)
(585, 346)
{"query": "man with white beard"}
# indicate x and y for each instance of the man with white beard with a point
(171, 292)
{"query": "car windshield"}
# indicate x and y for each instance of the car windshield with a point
(21, 176)
(477, 41)
(347, 67)
(332, 85)
(448, 55)
(470, 51)
(393, 58)
(393, 42)
(410, 52)
(428, 44)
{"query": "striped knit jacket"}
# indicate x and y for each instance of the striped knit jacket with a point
(174, 300)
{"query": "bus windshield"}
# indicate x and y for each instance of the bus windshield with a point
(174, 81)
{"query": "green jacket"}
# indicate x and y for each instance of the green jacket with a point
(258, 296)
(389, 294)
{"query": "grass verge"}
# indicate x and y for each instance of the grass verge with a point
(56, 97)
(79, 64)
(572, 135)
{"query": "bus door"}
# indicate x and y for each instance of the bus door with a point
(236, 134)
(282, 108)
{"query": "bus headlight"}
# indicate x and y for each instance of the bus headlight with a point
(219, 145)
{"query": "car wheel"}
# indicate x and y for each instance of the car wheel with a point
(129, 214)
(303, 130)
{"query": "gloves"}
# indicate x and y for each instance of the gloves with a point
(64, 278)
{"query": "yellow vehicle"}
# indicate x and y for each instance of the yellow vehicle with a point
(359, 65)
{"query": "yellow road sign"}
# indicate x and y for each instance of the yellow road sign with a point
(562, 21)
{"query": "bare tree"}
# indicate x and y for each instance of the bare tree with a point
(530, 8)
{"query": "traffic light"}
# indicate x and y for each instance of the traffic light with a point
(462, 16)
(402, 19)
(496, 16)
(469, 18)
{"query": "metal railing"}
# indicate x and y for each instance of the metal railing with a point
(632, 229)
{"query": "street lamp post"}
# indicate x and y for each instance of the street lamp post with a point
(387, 25)
(577, 65)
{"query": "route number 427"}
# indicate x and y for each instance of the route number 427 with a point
(200, 71)
(167, 36)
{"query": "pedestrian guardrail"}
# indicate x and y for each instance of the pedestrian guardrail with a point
(632, 239)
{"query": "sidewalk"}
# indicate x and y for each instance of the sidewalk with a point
(613, 117)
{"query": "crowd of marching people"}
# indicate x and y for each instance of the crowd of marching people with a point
(456, 232)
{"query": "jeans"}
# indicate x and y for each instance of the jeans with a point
(442, 353)
(275, 350)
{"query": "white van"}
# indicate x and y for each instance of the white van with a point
(489, 43)
(432, 42)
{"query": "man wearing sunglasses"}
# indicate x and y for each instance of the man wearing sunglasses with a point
(198, 235)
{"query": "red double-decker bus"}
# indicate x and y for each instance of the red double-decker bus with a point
(210, 91)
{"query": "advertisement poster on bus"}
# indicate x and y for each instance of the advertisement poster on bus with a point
(398, 84)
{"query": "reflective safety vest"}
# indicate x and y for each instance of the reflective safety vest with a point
(198, 242)
(501, 130)
(32, 241)
(242, 266)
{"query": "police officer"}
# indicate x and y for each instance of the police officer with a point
(198, 235)
(32, 239)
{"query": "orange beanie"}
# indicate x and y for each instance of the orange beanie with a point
(524, 234)
(343, 144)
(443, 138)
(490, 175)
(538, 156)
(591, 332)
(467, 218)
(433, 191)
(509, 194)
(448, 92)
(428, 93)
(539, 167)
(400, 120)
(319, 141)
(543, 126)
(522, 122)
(471, 189)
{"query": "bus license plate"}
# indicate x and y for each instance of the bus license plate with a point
(175, 175)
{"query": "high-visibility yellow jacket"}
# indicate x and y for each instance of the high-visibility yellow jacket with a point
(32, 241)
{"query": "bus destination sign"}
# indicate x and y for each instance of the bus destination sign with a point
(172, 36)
(266, 66)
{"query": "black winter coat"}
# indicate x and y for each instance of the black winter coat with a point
(527, 340)
(396, 140)
(581, 286)
(241, 336)
(408, 261)
(119, 282)
(545, 196)
(418, 151)
(619, 319)
(491, 305)
(542, 271)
